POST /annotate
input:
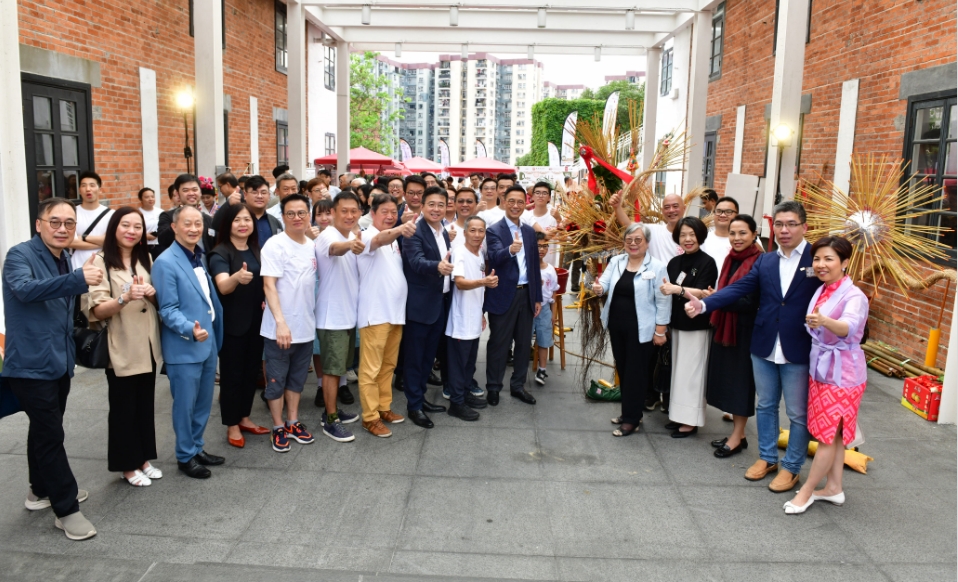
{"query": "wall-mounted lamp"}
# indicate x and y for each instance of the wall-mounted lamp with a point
(454, 16)
(367, 14)
(398, 49)
(598, 54)
(630, 19)
(541, 18)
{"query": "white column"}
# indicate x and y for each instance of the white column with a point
(847, 116)
(948, 411)
(786, 96)
(149, 130)
(254, 135)
(296, 86)
(653, 65)
(15, 224)
(342, 108)
(697, 99)
(739, 139)
(208, 46)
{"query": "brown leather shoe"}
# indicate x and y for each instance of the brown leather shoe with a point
(391, 417)
(759, 470)
(783, 482)
(238, 443)
(377, 428)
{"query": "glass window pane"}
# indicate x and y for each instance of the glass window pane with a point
(68, 116)
(44, 149)
(951, 161)
(953, 122)
(925, 158)
(70, 151)
(70, 184)
(42, 113)
(928, 123)
(45, 184)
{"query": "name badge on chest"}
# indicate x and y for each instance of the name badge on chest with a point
(680, 278)
(648, 275)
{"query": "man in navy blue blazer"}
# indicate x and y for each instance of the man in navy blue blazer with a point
(780, 343)
(191, 337)
(425, 259)
(513, 253)
(39, 288)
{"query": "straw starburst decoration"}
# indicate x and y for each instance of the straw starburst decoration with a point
(878, 216)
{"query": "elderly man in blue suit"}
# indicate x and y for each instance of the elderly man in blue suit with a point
(425, 260)
(192, 335)
(39, 290)
(780, 343)
(514, 253)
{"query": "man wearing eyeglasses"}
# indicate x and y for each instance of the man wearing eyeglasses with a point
(780, 343)
(39, 287)
(289, 280)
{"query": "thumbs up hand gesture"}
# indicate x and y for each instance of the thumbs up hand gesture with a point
(148, 290)
(136, 289)
(408, 215)
(694, 306)
(597, 288)
(669, 289)
(815, 319)
(491, 280)
(244, 276)
(199, 334)
(91, 273)
(357, 245)
(452, 232)
(516, 245)
(409, 229)
(445, 267)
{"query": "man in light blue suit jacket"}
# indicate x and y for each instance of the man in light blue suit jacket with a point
(191, 334)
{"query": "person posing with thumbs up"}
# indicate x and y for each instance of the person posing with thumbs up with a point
(191, 335)
(126, 301)
(235, 266)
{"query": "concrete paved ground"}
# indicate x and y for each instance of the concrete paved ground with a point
(529, 492)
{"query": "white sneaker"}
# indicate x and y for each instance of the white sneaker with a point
(351, 376)
(76, 526)
(34, 503)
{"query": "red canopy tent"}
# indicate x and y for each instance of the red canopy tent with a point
(365, 160)
(481, 165)
(418, 164)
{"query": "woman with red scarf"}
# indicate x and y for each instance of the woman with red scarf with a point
(731, 385)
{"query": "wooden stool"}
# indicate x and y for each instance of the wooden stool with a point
(557, 320)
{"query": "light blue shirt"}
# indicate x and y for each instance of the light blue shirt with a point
(521, 255)
(651, 306)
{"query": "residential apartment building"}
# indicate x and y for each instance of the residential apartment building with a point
(419, 87)
(633, 77)
(569, 92)
(520, 87)
(393, 113)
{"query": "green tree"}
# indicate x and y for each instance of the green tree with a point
(627, 92)
(548, 117)
(370, 119)
(587, 93)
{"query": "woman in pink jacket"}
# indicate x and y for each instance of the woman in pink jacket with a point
(836, 321)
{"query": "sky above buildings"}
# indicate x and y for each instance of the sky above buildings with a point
(558, 69)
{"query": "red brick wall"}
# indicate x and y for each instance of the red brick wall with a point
(123, 36)
(875, 41)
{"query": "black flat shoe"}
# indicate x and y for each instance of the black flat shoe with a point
(677, 434)
(723, 451)
(345, 396)
(523, 396)
(492, 398)
(625, 430)
(463, 412)
(433, 379)
(672, 425)
(398, 384)
(193, 469)
(419, 418)
(205, 458)
(475, 402)
(430, 407)
(719, 442)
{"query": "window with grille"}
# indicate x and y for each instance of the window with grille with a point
(665, 85)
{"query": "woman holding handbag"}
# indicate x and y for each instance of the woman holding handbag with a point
(125, 302)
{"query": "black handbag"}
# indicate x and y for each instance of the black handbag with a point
(92, 345)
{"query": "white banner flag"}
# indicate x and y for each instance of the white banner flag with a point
(480, 149)
(405, 150)
(568, 139)
(443, 153)
(553, 155)
(611, 113)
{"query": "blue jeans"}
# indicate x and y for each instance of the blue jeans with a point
(772, 382)
(192, 388)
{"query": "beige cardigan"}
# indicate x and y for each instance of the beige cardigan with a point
(135, 330)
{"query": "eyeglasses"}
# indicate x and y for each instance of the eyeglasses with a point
(515, 202)
(725, 213)
(540, 193)
(56, 223)
(788, 225)
(296, 213)
(634, 241)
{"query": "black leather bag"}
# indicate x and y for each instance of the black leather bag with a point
(92, 345)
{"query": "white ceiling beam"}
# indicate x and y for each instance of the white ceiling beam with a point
(666, 6)
(536, 37)
(501, 51)
(594, 22)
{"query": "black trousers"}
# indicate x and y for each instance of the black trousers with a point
(634, 362)
(462, 356)
(44, 401)
(131, 435)
(419, 346)
(513, 325)
(241, 359)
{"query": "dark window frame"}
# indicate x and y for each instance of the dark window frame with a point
(946, 99)
(808, 26)
(665, 83)
(279, 13)
(282, 147)
(330, 138)
(223, 19)
(329, 67)
(710, 145)
(718, 23)
(226, 138)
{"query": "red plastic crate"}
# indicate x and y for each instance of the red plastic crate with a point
(922, 395)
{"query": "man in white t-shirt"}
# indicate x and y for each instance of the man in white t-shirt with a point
(337, 306)
(542, 215)
(717, 245)
(465, 205)
(382, 315)
(288, 268)
(466, 320)
(89, 240)
(661, 245)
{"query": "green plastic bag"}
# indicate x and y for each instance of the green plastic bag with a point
(597, 391)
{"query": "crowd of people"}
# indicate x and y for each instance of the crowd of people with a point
(387, 281)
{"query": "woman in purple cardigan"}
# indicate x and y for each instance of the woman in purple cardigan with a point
(836, 321)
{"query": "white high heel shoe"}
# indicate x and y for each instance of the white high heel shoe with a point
(837, 499)
(792, 509)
